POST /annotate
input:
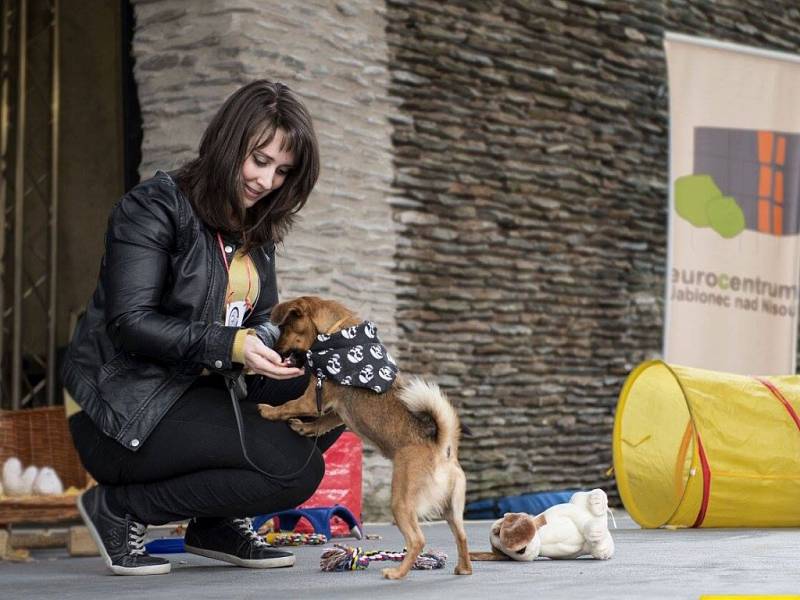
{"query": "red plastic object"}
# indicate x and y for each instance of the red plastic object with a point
(341, 483)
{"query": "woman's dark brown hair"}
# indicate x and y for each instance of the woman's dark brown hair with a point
(213, 181)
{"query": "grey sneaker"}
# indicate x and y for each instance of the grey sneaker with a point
(120, 540)
(234, 541)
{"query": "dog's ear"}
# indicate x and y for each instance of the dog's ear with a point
(325, 313)
(285, 312)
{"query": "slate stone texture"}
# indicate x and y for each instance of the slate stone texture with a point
(531, 158)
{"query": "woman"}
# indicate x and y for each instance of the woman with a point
(182, 304)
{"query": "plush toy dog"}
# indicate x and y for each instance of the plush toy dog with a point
(570, 530)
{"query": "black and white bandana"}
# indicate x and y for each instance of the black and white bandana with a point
(353, 356)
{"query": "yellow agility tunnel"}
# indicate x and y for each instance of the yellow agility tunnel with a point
(697, 448)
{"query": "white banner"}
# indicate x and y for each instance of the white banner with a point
(734, 207)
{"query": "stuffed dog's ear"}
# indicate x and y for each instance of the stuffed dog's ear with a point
(282, 313)
(517, 530)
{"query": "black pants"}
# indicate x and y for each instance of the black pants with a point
(192, 464)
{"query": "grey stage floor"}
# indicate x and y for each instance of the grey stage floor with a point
(648, 564)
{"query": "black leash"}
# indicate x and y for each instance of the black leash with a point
(241, 393)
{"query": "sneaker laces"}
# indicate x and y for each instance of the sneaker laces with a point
(136, 533)
(245, 526)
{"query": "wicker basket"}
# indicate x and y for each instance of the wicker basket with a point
(40, 436)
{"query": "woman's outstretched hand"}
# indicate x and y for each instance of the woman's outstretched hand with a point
(261, 360)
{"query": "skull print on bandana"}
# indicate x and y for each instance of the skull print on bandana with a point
(353, 356)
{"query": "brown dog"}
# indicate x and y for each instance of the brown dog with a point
(427, 478)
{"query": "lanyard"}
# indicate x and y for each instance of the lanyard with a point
(246, 259)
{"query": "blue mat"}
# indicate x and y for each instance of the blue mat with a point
(533, 504)
(165, 546)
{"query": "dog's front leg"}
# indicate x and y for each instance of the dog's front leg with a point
(316, 427)
(304, 406)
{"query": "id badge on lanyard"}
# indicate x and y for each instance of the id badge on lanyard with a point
(234, 313)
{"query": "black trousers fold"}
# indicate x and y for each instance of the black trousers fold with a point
(192, 464)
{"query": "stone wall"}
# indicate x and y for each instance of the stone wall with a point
(531, 159)
(190, 55)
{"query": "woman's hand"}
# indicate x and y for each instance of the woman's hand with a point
(261, 360)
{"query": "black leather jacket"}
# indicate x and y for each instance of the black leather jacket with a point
(155, 319)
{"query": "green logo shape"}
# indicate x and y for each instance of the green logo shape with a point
(692, 195)
(726, 216)
(699, 200)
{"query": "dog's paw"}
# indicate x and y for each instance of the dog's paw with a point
(459, 570)
(393, 573)
(306, 429)
(268, 412)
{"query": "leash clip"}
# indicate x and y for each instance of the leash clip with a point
(319, 396)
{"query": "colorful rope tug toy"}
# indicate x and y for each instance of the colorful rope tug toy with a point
(287, 538)
(348, 558)
(273, 538)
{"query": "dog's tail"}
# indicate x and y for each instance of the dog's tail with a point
(422, 397)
